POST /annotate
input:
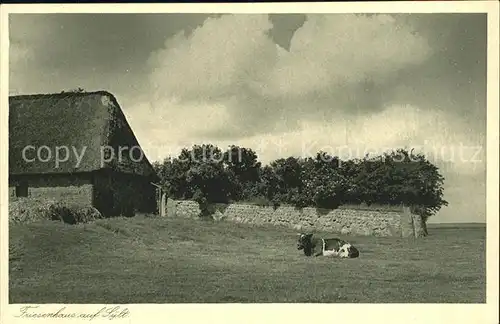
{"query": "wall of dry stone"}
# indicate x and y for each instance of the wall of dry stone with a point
(344, 220)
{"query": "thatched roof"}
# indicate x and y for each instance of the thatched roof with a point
(89, 120)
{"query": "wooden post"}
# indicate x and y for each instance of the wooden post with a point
(160, 203)
(163, 204)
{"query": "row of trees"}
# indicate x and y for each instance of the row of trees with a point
(207, 174)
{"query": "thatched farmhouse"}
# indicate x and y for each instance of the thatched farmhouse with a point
(78, 148)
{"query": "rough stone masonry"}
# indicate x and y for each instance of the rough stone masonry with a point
(365, 221)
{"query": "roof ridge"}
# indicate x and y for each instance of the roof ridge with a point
(61, 94)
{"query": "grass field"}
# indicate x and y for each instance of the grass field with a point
(153, 260)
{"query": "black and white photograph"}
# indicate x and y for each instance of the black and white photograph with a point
(226, 157)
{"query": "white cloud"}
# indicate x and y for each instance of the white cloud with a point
(166, 127)
(232, 61)
(215, 59)
(333, 50)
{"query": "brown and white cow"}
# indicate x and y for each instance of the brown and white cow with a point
(333, 247)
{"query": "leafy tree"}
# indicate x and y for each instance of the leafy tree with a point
(173, 171)
(351, 170)
(211, 180)
(423, 186)
(402, 178)
(242, 163)
(287, 177)
(324, 186)
(199, 173)
(270, 185)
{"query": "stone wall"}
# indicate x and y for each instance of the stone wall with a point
(354, 220)
(74, 189)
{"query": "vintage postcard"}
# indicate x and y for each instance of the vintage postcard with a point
(186, 163)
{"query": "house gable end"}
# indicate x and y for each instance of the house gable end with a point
(122, 151)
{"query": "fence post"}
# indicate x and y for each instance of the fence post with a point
(163, 204)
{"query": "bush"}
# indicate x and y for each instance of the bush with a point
(29, 210)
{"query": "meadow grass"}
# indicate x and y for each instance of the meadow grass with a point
(161, 260)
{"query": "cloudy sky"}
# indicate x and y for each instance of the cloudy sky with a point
(280, 84)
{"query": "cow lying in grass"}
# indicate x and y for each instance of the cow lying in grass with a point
(334, 247)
